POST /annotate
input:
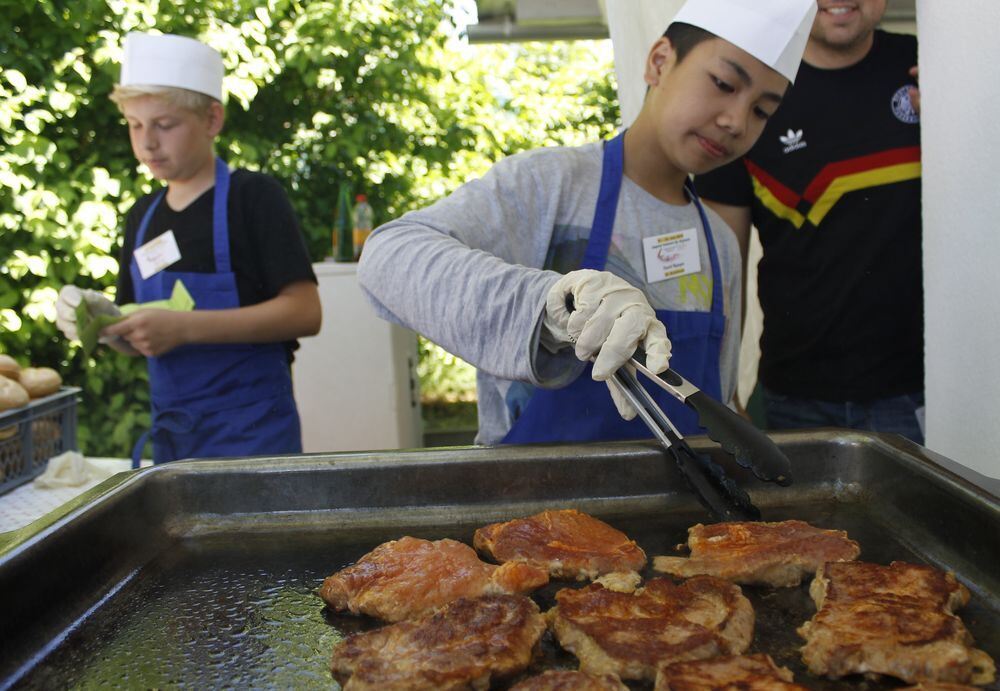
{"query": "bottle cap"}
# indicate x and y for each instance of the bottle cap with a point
(361, 198)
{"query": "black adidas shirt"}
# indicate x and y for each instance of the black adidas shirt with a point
(834, 186)
(266, 248)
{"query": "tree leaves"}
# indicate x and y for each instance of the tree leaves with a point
(380, 94)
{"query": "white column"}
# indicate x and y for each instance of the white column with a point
(355, 382)
(961, 205)
(634, 26)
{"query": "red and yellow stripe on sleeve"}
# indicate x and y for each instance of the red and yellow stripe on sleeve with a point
(833, 182)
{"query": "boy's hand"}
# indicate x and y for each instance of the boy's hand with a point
(151, 332)
(70, 298)
(607, 318)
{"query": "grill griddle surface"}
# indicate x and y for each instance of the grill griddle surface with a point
(234, 611)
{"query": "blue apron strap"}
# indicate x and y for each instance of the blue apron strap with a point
(220, 221)
(172, 420)
(712, 254)
(220, 218)
(140, 236)
(137, 449)
(596, 255)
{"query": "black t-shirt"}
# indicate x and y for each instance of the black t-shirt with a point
(834, 187)
(266, 248)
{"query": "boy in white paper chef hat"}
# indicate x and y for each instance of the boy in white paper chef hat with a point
(488, 271)
(219, 375)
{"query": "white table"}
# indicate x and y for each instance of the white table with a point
(27, 503)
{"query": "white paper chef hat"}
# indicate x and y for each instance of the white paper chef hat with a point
(773, 31)
(168, 60)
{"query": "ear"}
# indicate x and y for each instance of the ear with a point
(660, 59)
(216, 118)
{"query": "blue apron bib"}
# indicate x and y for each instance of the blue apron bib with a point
(584, 411)
(215, 399)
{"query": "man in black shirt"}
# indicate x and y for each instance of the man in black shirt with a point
(833, 187)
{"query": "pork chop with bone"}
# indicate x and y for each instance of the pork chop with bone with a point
(633, 634)
(465, 645)
(727, 673)
(895, 620)
(410, 577)
(568, 543)
(757, 553)
(567, 680)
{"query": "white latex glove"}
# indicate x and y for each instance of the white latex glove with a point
(69, 299)
(610, 319)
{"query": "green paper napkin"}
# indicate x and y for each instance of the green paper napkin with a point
(89, 325)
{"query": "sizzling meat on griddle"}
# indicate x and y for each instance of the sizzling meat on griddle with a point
(409, 577)
(565, 680)
(752, 553)
(895, 620)
(463, 646)
(570, 544)
(632, 635)
(730, 673)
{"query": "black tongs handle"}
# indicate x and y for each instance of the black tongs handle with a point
(718, 493)
(748, 445)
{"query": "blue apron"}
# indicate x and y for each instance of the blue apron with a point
(584, 410)
(215, 399)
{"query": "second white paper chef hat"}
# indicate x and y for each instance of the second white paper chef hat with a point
(773, 31)
(169, 60)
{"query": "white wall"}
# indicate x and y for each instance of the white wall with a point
(355, 382)
(634, 25)
(960, 111)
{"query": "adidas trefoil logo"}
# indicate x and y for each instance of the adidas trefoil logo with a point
(792, 141)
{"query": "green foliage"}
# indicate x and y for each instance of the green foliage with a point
(378, 94)
(444, 377)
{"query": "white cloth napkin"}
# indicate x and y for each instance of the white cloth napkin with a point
(71, 469)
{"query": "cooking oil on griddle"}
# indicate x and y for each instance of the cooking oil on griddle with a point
(239, 611)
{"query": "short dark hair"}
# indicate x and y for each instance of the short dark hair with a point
(683, 37)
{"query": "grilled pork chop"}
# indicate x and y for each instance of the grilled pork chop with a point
(753, 553)
(409, 577)
(633, 634)
(463, 646)
(894, 620)
(731, 673)
(570, 544)
(565, 680)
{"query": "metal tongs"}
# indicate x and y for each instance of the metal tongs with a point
(751, 448)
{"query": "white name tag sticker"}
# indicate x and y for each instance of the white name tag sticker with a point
(671, 255)
(157, 254)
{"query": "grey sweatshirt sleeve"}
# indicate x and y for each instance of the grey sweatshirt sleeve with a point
(465, 272)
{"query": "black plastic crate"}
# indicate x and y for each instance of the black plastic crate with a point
(32, 434)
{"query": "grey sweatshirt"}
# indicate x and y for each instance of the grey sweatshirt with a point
(471, 272)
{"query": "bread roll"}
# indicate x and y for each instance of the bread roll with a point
(40, 381)
(9, 367)
(43, 431)
(12, 394)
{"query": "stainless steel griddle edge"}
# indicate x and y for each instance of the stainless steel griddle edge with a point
(57, 571)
